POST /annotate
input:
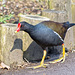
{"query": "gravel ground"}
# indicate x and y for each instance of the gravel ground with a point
(66, 68)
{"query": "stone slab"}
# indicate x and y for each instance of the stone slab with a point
(11, 45)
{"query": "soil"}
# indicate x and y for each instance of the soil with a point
(66, 68)
(16, 7)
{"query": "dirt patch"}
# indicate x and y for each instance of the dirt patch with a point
(66, 68)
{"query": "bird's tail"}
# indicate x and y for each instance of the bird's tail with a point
(72, 24)
(68, 25)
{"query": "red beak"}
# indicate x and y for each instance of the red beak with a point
(18, 28)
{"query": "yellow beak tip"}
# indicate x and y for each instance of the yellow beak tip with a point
(15, 31)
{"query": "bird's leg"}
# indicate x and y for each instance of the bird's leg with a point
(43, 58)
(62, 58)
(42, 61)
(63, 53)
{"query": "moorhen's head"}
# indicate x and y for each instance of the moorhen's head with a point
(22, 26)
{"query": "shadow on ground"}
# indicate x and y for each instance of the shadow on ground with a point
(34, 52)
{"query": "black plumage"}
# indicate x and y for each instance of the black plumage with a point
(47, 33)
(42, 35)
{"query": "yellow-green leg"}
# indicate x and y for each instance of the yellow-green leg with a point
(62, 58)
(42, 61)
(63, 53)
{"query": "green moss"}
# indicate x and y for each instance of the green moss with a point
(5, 17)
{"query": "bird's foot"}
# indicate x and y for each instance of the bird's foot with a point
(62, 59)
(2, 65)
(58, 60)
(41, 65)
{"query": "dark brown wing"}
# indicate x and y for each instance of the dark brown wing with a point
(56, 26)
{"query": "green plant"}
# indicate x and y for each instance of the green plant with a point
(0, 0)
(5, 17)
(3, 5)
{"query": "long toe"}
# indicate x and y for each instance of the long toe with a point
(63, 60)
(39, 66)
(58, 60)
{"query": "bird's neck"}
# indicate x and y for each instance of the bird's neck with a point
(29, 28)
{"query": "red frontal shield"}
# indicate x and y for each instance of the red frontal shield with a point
(18, 28)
